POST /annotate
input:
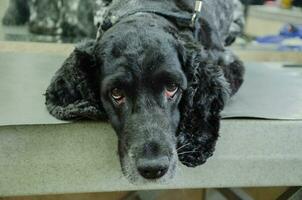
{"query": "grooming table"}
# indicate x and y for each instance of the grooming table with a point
(42, 155)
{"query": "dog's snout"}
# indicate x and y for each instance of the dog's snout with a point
(153, 162)
(151, 149)
(153, 168)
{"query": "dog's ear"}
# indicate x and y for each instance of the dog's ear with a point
(200, 108)
(74, 91)
(205, 34)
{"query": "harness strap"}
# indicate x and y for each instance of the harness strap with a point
(184, 20)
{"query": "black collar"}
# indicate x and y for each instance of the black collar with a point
(184, 20)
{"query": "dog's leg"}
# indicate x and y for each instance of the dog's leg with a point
(17, 13)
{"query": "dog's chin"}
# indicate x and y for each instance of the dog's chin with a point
(130, 171)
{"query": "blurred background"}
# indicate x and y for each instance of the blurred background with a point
(270, 25)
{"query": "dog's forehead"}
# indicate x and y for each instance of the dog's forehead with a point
(138, 49)
(147, 63)
(142, 59)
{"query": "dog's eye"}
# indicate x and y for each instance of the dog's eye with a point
(118, 95)
(171, 90)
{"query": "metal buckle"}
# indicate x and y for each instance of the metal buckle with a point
(99, 32)
(197, 10)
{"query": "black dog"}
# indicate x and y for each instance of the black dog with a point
(160, 80)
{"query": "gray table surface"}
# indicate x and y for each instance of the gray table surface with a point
(42, 155)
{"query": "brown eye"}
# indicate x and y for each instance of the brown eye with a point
(118, 94)
(171, 90)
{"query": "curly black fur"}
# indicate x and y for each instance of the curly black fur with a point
(211, 85)
(72, 93)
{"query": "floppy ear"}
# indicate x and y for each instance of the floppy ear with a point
(212, 78)
(74, 91)
(205, 34)
(200, 108)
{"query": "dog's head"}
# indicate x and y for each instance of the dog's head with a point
(161, 96)
(142, 82)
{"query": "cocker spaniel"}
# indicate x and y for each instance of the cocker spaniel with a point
(160, 71)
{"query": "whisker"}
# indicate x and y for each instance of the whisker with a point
(186, 152)
(183, 146)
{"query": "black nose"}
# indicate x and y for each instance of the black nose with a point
(153, 168)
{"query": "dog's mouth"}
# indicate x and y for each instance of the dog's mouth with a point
(149, 165)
